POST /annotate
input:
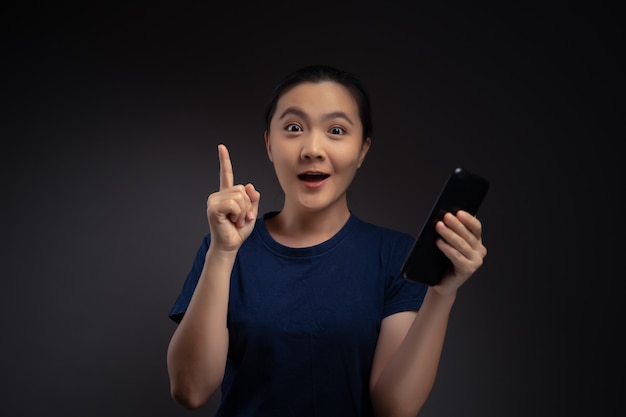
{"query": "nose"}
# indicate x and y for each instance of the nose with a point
(313, 146)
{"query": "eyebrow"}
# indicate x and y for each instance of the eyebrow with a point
(300, 113)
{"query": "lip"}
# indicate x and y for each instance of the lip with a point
(313, 179)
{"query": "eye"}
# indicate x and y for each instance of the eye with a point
(293, 127)
(336, 130)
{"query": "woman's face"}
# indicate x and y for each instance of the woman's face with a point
(315, 142)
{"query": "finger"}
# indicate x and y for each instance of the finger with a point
(463, 232)
(254, 197)
(475, 227)
(463, 256)
(454, 232)
(226, 168)
(249, 206)
(471, 223)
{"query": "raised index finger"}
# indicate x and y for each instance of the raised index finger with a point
(226, 168)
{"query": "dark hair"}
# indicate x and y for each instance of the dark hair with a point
(317, 74)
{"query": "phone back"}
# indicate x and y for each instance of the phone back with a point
(462, 190)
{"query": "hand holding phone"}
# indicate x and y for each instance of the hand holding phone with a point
(462, 190)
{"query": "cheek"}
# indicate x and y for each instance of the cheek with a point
(349, 158)
(279, 156)
(282, 162)
(347, 168)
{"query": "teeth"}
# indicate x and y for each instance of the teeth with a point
(313, 175)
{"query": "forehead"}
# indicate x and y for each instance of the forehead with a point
(322, 97)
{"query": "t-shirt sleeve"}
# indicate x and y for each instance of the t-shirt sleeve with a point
(182, 301)
(400, 294)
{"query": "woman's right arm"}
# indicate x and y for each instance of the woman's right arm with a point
(196, 355)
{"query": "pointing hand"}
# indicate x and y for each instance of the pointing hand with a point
(231, 211)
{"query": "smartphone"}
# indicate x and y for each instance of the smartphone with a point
(425, 263)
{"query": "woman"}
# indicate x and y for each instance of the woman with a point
(303, 311)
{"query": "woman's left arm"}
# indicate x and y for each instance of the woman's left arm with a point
(410, 343)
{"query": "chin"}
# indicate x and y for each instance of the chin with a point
(312, 208)
(312, 205)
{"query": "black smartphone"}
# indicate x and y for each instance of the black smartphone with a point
(462, 190)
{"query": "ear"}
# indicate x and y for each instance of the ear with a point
(268, 148)
(365, 147)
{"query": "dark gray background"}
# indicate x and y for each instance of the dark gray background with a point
(110, 120)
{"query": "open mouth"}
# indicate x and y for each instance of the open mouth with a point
(313, 176)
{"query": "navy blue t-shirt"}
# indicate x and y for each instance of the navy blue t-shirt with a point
(303, 322)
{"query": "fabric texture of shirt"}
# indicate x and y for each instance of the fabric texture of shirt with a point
(303, 322)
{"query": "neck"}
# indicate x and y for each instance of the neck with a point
(298, 228)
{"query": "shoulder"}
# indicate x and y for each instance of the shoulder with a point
(384, 234)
